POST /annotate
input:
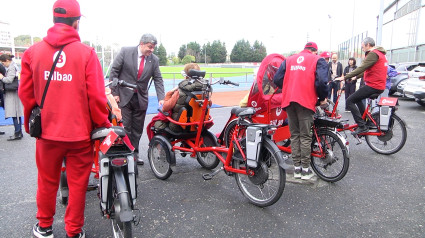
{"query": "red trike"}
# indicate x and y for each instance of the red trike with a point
(329, 157)
(254, 159)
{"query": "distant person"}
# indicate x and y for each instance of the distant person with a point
(374, 69)
(326, 55)
(72, 109)
(12, 104)
(350, 84)
(335, 69)
(303, 78)
(2, 72)
(136, 65)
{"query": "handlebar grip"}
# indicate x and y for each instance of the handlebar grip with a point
(125, 84)
(230, 82)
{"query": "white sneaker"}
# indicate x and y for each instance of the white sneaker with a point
(306, 175)
(297, 172)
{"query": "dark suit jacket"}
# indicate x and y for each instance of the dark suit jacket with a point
(338, 70)
(125, 68)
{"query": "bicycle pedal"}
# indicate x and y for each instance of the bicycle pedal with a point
(209, 176)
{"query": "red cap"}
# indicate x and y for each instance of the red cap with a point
(311, 45)
(66, 8)
(325, 54)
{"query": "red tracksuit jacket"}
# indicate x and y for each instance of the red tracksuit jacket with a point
(75, 103)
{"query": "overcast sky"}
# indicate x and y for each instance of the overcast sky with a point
(281, 25)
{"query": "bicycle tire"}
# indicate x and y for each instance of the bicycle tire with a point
(230, 129)
(334, 166)
(121, 229)
(208, 160)
(266, 187)
(158, 155)
(383, 144)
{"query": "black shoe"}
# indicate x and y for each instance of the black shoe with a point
(140, 161)
(16, 136)
(360, 129)
(370, 125)
(2, 132)
(41, 232)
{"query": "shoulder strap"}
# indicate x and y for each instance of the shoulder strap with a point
(50, 76)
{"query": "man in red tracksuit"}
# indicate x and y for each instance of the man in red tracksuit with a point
(303, 78)
(374, 71)
(75, 104)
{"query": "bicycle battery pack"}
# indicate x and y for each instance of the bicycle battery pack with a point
(254, 134)
(386, 104)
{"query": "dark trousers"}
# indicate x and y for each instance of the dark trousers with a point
(355, 105)
(335, 86)
(300, 121)
(133, 119)
(350, 88)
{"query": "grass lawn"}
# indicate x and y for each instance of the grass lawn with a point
(167, 72)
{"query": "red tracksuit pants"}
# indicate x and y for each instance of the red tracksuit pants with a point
(79, 161)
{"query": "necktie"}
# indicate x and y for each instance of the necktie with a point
(141, 66)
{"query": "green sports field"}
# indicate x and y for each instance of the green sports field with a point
(167, 72)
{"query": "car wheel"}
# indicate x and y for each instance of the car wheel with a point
(422, 103)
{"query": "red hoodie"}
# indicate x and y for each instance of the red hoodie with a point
(75, 102)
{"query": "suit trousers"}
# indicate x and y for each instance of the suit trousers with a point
(133, 119)
(79, 161)
(300, 122)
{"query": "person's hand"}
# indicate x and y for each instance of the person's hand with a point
(161, 102)
(117, 99)
(1, 76)
(340, 78)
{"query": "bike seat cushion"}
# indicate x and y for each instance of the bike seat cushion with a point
(247, 111)
(102, 132)
(374, 96)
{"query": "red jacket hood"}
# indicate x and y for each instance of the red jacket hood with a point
(61, 34)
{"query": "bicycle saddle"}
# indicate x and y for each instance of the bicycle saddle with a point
(374, 96)
(102, 132)
(243, 112)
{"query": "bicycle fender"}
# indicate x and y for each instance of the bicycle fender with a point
(279, 154)
(171, 157)
(126, 213)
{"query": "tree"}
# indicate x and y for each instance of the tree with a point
(25, 40)
(188, 59)
(162, 54)
(176, 60)
(182, 52)
(217, 52)
(259, 51)
(194, 49)
(241, 52)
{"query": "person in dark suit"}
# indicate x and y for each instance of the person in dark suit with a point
(335, 70)
(136, 65)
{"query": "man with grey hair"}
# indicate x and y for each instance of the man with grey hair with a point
(136, 65)
(374, 72)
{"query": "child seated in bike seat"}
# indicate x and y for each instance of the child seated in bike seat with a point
(175, 99)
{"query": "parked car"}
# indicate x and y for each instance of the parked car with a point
(398, 81)
(415, 85)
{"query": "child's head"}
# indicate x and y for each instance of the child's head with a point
(190, 66)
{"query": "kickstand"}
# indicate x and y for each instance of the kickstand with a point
(359, 141)
(209, 176)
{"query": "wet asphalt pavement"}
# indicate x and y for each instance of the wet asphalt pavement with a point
(381, 196)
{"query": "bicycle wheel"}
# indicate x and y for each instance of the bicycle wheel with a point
(267, 185)
(121, 229)
(333, 165)
(393, 139)
(159, 155)
(230, 129)
(208, 160)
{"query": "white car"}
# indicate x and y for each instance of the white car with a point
(415, 85)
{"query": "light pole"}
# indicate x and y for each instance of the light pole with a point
(330, 33)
